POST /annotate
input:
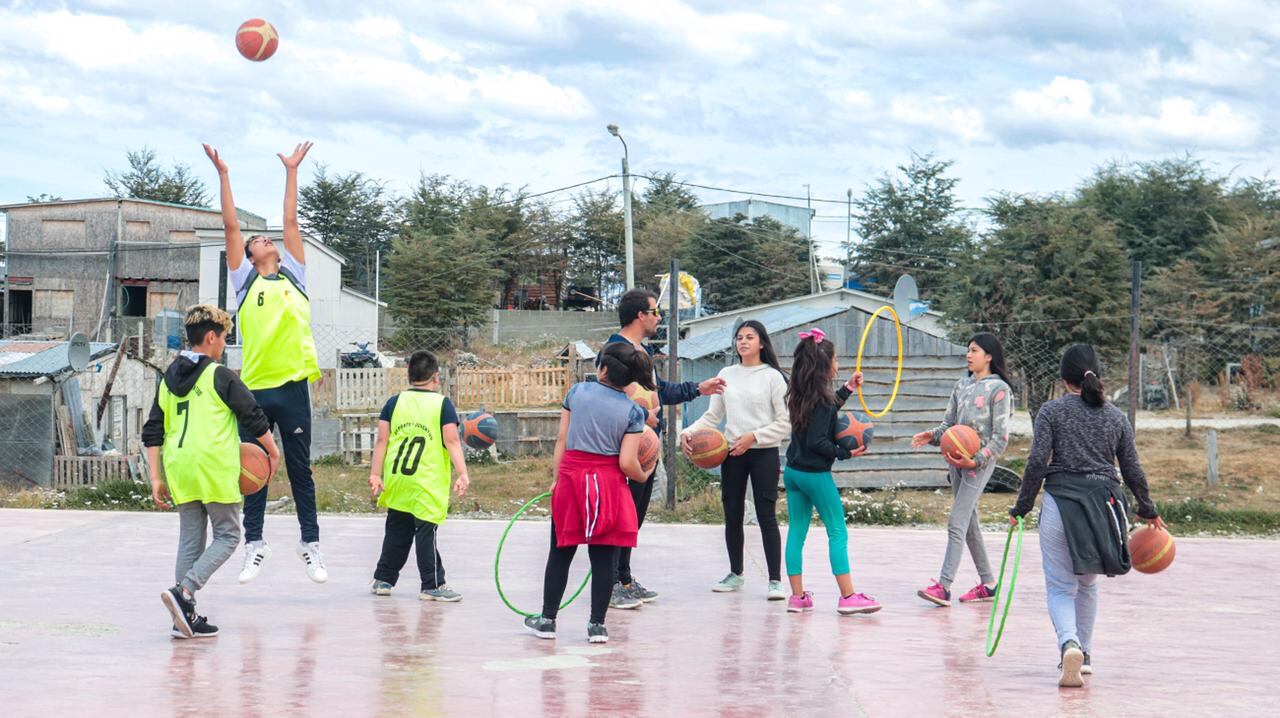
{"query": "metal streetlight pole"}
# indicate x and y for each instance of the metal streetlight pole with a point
(813, 262)
(626, 208)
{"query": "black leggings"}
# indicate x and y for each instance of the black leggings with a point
(762, 467)
(556, 579)
(641, 494)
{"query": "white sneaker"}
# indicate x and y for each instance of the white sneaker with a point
(776, 592)
(310, 555)
(254, 554)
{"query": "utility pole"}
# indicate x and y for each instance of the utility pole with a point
(673, 376)
(1135, 301)
(808, 239)
(626, 208)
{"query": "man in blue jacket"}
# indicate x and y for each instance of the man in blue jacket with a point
(639, 316)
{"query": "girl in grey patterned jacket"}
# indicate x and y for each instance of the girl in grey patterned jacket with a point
(982, 401)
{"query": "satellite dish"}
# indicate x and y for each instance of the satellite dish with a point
(906, 299)
(78, 352)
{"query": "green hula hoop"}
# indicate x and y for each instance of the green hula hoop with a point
(1013, 581)
(498, 557)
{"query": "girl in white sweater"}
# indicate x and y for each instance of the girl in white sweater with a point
(754, 410)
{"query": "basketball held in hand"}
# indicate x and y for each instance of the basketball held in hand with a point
(961, 441)
(707, 448)
(853, 430)
(255, 468)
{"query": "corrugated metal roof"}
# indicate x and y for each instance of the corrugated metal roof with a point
(27, 359)
(774, 320)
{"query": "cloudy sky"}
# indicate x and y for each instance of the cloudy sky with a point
(757, 96)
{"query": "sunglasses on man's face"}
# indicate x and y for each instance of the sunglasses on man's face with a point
(655, 312)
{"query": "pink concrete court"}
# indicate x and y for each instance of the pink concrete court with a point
(82, 630)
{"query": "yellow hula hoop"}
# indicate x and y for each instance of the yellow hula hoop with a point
(897, 379)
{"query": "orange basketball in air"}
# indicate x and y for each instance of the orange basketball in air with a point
(1152, 549)
(257, 39)
(707, 448)
(961, 440)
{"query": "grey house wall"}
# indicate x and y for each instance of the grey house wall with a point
(63, 247)
(931, 367)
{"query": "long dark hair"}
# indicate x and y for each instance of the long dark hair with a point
(810, 385)
(1080, 368)
(990, 344)
(623, 364)
(767, 355)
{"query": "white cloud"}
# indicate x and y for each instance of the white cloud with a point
(940, 113)
(1066, 110)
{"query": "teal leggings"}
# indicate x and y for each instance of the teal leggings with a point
(805, 492)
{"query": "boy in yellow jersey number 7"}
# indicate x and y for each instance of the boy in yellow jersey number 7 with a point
(279, 358)
(192, 431)
(417, 446)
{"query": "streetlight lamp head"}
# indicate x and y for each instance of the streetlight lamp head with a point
(613, 129)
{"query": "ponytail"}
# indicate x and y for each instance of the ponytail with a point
(624, 364)
(1080, 368)
(810, 384)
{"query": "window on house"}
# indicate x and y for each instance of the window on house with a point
(133, 300)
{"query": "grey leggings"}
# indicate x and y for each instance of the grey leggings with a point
(196, 561)
(963, 525)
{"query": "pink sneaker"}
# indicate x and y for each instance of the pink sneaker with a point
(936, 594)
(979, 594)
(797, 604)
(857, 603)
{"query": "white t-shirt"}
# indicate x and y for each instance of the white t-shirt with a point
(753, 402)
(241, 275)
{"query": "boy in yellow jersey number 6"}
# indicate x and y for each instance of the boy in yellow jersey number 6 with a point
(279, 357)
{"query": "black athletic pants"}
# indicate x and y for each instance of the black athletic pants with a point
(289, 408)
(556, 579)
(761, 467)
(641, 492)
(404, 530)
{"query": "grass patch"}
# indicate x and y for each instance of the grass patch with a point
(1197, 515)
(116, 495)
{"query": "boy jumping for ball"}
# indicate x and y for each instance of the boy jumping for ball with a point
(194, 428)
(409, 476)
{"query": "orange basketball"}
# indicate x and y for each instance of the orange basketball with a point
(961, 440)
(647, 399)
(649, 450)
(1152, 549)
(257, 39)
(708, 448)
(255, 468)
(479, 430)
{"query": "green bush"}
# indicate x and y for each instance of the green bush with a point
(1193, 515)
(114, 495)
(879, 508)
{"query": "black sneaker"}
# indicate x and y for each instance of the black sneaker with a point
(541, 627)
(640, 592)
(1087, 668)
(200, 628)
(1072, 662)
(624, 599)
(180, 608)
(597, 633)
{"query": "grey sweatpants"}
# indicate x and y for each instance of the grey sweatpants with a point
(196, 560)
(963, 525)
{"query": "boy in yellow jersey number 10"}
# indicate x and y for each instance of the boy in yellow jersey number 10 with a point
(193, 433)
(279, 358)
(417, 446)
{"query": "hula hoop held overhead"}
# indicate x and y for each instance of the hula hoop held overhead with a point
(498, 558)
(897, 379)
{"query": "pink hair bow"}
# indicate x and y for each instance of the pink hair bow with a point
(816, 334)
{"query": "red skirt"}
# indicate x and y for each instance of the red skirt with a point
(591, 503)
